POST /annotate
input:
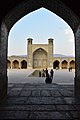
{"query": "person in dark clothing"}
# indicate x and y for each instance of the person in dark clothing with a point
(39, 73)
(46, 71)
(48, 79)
(51, 73)
(43, 73)
(70, 69)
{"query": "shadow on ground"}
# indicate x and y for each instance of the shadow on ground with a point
(34, 74)
(40, 101)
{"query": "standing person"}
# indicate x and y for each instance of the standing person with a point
(39, 73)
(48, 79)
(43, 73)
(46, 71)
(51, 73)
(69, 69)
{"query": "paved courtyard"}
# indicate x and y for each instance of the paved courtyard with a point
(21, 76)
(39, 100)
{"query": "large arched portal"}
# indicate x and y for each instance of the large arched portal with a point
(23, 9)
(40, 58)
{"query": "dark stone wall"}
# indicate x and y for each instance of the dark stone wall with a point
(28, 6)
(77, 57)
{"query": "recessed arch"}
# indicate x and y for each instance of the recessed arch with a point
(15, 64)
(40, 58)
(64, 64)
(56, 64)
(23, 64)
(72, 64)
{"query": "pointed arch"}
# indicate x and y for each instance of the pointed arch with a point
(72, 64)
(25, 8)
(23, 64)
(40, 58)
(56, 64)
(15, 64)
(64, 64)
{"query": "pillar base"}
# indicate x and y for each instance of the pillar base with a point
(3, 86)
(29, 67)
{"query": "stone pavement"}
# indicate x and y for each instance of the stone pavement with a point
(62, 76)
(40, 101)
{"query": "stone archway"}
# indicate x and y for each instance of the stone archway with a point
(23, 64)
(56, 64)
(15, 64)
(40, 58)
(64, 64)
(23, 9)
(72, 64)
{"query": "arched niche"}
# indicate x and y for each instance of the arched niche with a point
(40, 58)
(64, 64)
(23, 64)
(72, 64)
(15, 64)
(56, 64)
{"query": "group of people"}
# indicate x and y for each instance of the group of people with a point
(45, 73)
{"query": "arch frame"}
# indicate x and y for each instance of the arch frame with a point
(20, 11)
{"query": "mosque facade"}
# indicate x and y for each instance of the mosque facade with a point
(40, 56)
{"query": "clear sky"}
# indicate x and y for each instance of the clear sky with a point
(41, 25)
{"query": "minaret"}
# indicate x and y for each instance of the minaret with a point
(50, 53)
(29, 53)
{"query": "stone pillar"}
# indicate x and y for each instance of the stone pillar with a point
(3, 61)
(68, 64)
(29, 54)
(60, 65)
(19, 65)
(50, 53)
(11, 65)
(77, 65)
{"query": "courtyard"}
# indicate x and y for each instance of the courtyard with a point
(62, 76)
(31, 98)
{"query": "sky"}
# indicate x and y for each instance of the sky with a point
(40, 25)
